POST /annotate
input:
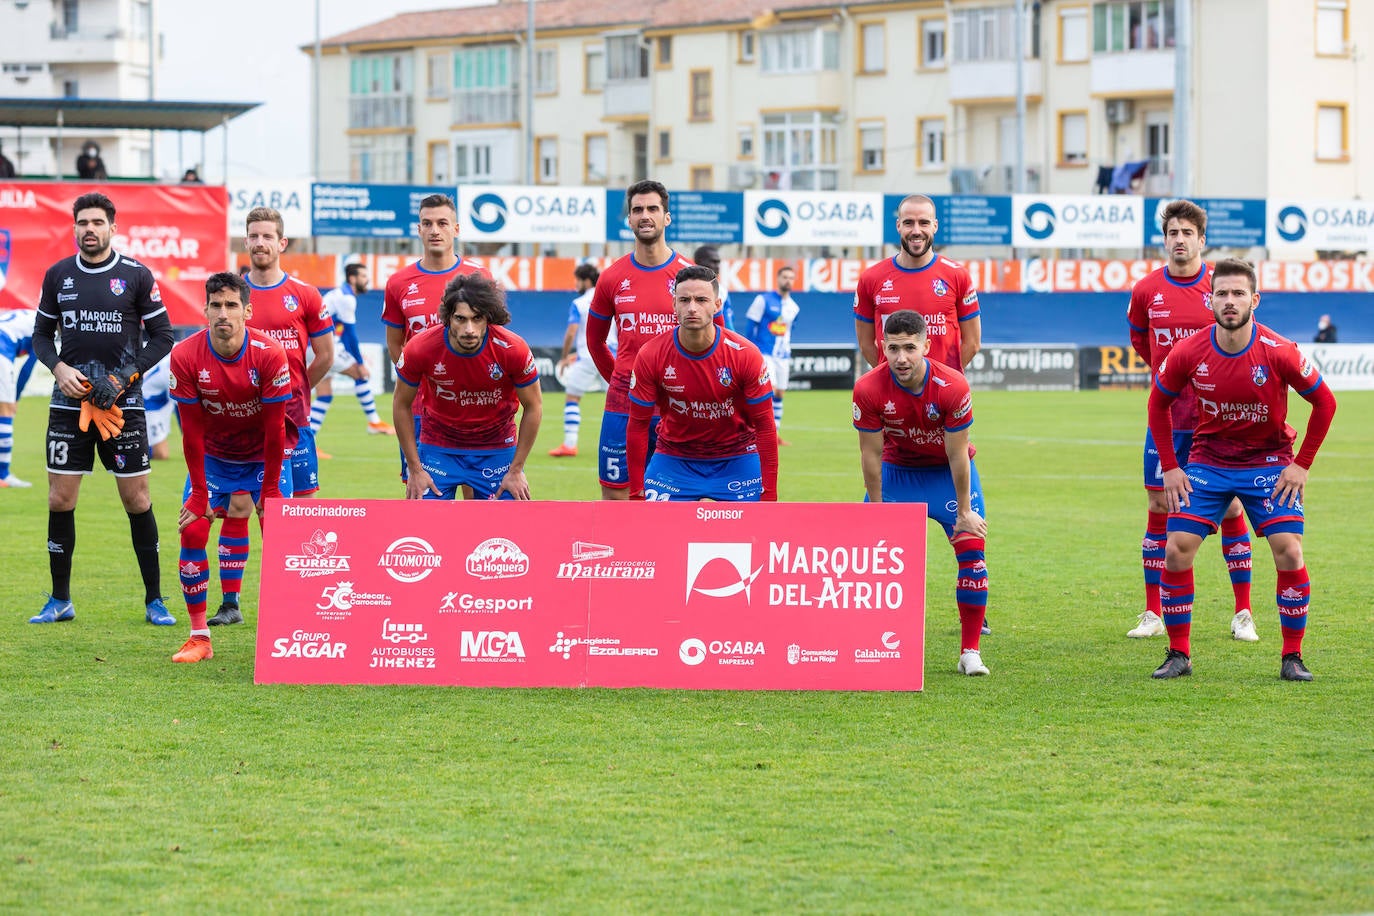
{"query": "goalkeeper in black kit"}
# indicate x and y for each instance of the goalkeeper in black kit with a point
(100, 303)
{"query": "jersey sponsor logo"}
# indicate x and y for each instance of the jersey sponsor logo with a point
(857, 413)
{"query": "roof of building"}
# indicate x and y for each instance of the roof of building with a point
(81, 114)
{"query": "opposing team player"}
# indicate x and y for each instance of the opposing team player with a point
(768, 326)
(475, 373)
(717, 439)
(157, 409)
(579, 375)
(1242, 449)
(636, 295)
(232, 383)
(342, 305)
(1166, 307)
(16, 340)
(103, 302)
(913, 415)
(412, 297)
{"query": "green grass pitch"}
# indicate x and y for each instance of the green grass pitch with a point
(1067, 781)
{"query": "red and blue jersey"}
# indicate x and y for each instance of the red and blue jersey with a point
(469, 399)
(942, 292)
(1242, 397)
(913, 423)
(231, 391)
(1164, 311)
(701, 396)
(413, 294)
(292, 313)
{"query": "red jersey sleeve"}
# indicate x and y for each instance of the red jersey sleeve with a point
(863, 297)
(391, 305)
(518, 363)
(317, 319)
(967, 293)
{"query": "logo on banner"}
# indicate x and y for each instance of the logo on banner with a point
(740, 557)
(491, 646)
(319, 556)
(587, 557)
(498, 558)
(410, 559)
(796, 655)
(338, 600)
(693, 652)
(17, 199)
(889, 650)
(1038, 221)
(403, 632)
(304, 644)
(598, 645)
(773, 218)
(1291, 224)
(488, 212)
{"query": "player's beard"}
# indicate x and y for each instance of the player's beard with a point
(1233, 323)
(94, 246)
(917, 253)
(262, 260)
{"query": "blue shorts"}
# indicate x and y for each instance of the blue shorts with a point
(225, 478)
(612, 469)
(1154, 473)
(1213, 490)
(933, 486)
(672, 479)
(305, 465)
(451, 468)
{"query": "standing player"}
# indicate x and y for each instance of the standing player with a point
(913, 415)
(342, 305)
(16, 339)
(1166, 307)
(475, 373)
(579, 374)
(716, 439)
(1242, 449)
(413, 294)
(918, 279)
(102, 301)
(769, 327)
(636, 294)
(232, 383)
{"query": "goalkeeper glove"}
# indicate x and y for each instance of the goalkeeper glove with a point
(106, 389)
(109, 423)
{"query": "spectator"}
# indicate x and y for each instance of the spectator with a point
(6, 167)
(89, 165)
(1326, 331)
(191, 177)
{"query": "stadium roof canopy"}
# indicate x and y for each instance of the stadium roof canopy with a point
(83, 114)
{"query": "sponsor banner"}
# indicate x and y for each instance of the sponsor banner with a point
(1077, 221)
(831, 368)
(1325, 225)
(668, 595)
(813, 218)
(1112, 367)
(289, 197)
(528, 213)
(964, 219)
(1027, 367)
(1345, 367)
(699, 218)
(368, 210)
(1231, 222)
(177, 231)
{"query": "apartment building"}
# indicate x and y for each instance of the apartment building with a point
(97, 49)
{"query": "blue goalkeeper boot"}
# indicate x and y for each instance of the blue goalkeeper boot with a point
(158, 615)
(54, 611)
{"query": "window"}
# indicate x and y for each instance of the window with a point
(142, 20)
(595, 153)
(1073, 138)
(989, 33)
(871, 143)
(438, 76)
(381, 158)
(872, 48)
(546, 71)
(438, 162)
(380, 86)
(1133, 25)
(1073, 34)
(745, 147)
(701, 95)
(472, 163)
(800, 150)
(546, 157)
(799, 50)
(1332, 145)
(701, 178)
(1158, 124)
(71, 89)
(747, 41)
(626, 58)
(932, 152)
(1333, 28)
(641, 156)
(663, 148)
(932, 44)
(664, 58)
(593, 67)
(485, 87)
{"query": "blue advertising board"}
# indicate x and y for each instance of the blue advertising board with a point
(1231, 222)
(699, 218)
(964, 219)
(369, 210)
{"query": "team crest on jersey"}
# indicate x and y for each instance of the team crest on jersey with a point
(253, 377)
(939, 286)
(494, 371)
(933, 411)
(1260, 374)
(289, 302)
(672, 286)
(724, 377)
(118, 286)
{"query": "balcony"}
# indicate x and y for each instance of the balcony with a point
(93, 45)
(991, 178)
(486, 106)
(1132, 73)
(626, 98)
(987, 80)
(374, 111)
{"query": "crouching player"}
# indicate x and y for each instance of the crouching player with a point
(475, 374)
(232, 383)
(913, 415)
(716, 438)
(1242, 448)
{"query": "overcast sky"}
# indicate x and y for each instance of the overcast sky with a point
(249, 53)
